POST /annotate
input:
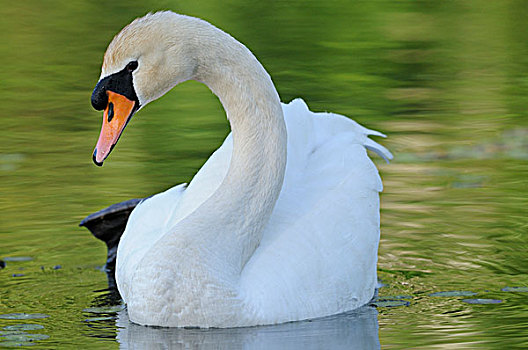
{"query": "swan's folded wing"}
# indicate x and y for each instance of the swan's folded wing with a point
(145, 226)
(158, 214)
(318, 254)
(204, 183)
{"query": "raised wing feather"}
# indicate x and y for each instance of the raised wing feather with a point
(324, 229)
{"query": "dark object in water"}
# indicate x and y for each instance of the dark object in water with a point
(108, 225)
(2, 264)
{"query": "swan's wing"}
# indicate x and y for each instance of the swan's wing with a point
(204, 183)
(145, 225)
(319, 251)
(156, 215)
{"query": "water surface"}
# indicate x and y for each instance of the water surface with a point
(446, 81)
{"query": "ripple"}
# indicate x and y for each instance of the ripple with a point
(390, 297)
(482, 301)
(16, 338)
(453, 293)
(104, 309)
(13, 344)
(24, 327)
(390, 303)
(515, 289)
(4, 333)
(22, 316)
(26, 337)
(97, 319)
(17, 258)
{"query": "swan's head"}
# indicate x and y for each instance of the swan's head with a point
(144, 61)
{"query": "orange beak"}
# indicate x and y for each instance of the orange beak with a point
(115, 117)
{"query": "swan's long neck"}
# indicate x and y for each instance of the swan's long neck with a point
(229, 224)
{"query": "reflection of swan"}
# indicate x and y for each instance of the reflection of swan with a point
(357, 329)
(280, 224)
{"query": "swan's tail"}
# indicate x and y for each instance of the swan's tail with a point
(334, 124)
(376, 147)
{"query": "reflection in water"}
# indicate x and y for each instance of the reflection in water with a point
(357, 329)
(354, 329)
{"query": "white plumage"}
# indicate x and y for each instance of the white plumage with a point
(257, 237)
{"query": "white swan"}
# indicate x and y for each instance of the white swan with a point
(282, 221)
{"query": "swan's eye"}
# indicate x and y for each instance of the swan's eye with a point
(131, 66)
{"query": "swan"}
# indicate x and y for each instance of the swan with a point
(282, 221)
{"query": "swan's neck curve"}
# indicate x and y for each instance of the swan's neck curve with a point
(231, 221)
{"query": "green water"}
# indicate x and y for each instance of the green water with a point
(445, 80)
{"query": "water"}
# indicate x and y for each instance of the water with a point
(445, 80)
